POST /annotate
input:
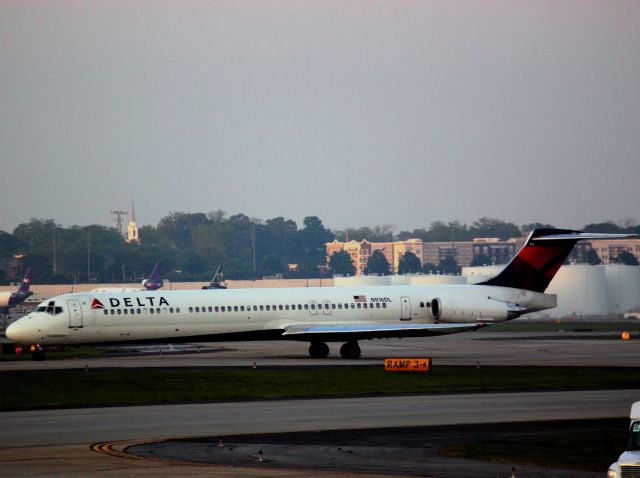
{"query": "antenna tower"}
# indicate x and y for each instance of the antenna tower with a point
(117, 219)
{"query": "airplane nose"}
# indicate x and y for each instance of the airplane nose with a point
(14, 331)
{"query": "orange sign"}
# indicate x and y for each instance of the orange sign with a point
(407, 364)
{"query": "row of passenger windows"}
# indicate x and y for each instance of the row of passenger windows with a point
(248, 308)
(312, 306)
(157, 310)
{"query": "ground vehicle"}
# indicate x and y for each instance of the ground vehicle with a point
(628, 464)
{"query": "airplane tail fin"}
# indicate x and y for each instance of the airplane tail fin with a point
(153, 282)
(543, 254)
(26, 282)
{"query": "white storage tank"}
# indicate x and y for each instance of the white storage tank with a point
(356, 281)
(581, 290)
(623, 286)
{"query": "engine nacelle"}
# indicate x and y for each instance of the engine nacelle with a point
(463, 310)
(4, 299)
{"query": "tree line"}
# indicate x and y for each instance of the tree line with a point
(192, 245)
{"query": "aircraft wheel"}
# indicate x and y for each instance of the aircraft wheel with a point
(318, 350)
(350, 350)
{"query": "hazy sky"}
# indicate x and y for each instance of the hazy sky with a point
(359, 112)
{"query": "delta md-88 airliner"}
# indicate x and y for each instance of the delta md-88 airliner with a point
(316, 314)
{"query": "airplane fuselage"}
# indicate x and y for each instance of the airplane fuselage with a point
(204, 315)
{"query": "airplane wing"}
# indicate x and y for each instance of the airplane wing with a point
(371, 331)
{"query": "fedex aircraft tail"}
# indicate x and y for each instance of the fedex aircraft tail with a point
(154, 282)
(543, 254)
(26, 282)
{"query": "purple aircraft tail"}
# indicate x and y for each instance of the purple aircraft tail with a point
(154, 281)
(26, 282)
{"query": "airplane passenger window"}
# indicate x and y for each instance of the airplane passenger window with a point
(131, 311)
(286, 307)
(190, 309)
(150, 311)
(144, 311)
(280, 307)
(306, 306)
(177, 310)
(106, 312)
(242, 308)
(333, 306)
(299, 306)
(268, 307)
(377, 305)
(262, 307)
(170, 310)
(359, 305)
(235, 308)
(421, 304)
(274, 307)
(313, 306)
(164, 311)
(222, 308)
(119, 312)
(353, 306)
(339, 306)
(138, 311)
(255, 308)
(113, 312)
(210, 309)
(216, 308)
(197, 309)
(158, 310)
(384, 305)
(326, 306)
(365, 305)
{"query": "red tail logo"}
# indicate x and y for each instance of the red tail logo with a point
(96, 304)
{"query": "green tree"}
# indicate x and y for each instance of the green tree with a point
(377, 264)
(409, 264)
(449, 265)
(480, 260)
(488, 227)
(625, 257)
(340, 263)
(527, 228)
(591, 257)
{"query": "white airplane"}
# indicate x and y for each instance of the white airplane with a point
(316, 314)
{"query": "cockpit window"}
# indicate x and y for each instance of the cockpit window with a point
(50, 308)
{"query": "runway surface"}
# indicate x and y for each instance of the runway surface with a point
(56, 442)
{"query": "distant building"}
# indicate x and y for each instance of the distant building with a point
(609, 249)
(498, 252)
(132, 229)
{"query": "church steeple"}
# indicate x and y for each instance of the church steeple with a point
(132, 230)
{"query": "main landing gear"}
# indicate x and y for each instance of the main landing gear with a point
(350, 350)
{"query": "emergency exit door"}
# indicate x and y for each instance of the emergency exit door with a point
(75, 313)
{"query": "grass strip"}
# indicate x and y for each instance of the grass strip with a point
(587, 450)
(24, 390)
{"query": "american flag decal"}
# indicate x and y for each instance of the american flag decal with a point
(360, 298)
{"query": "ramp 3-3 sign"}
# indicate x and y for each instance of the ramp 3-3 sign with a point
(407, 364)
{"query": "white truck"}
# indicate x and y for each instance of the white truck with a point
(628, 464)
